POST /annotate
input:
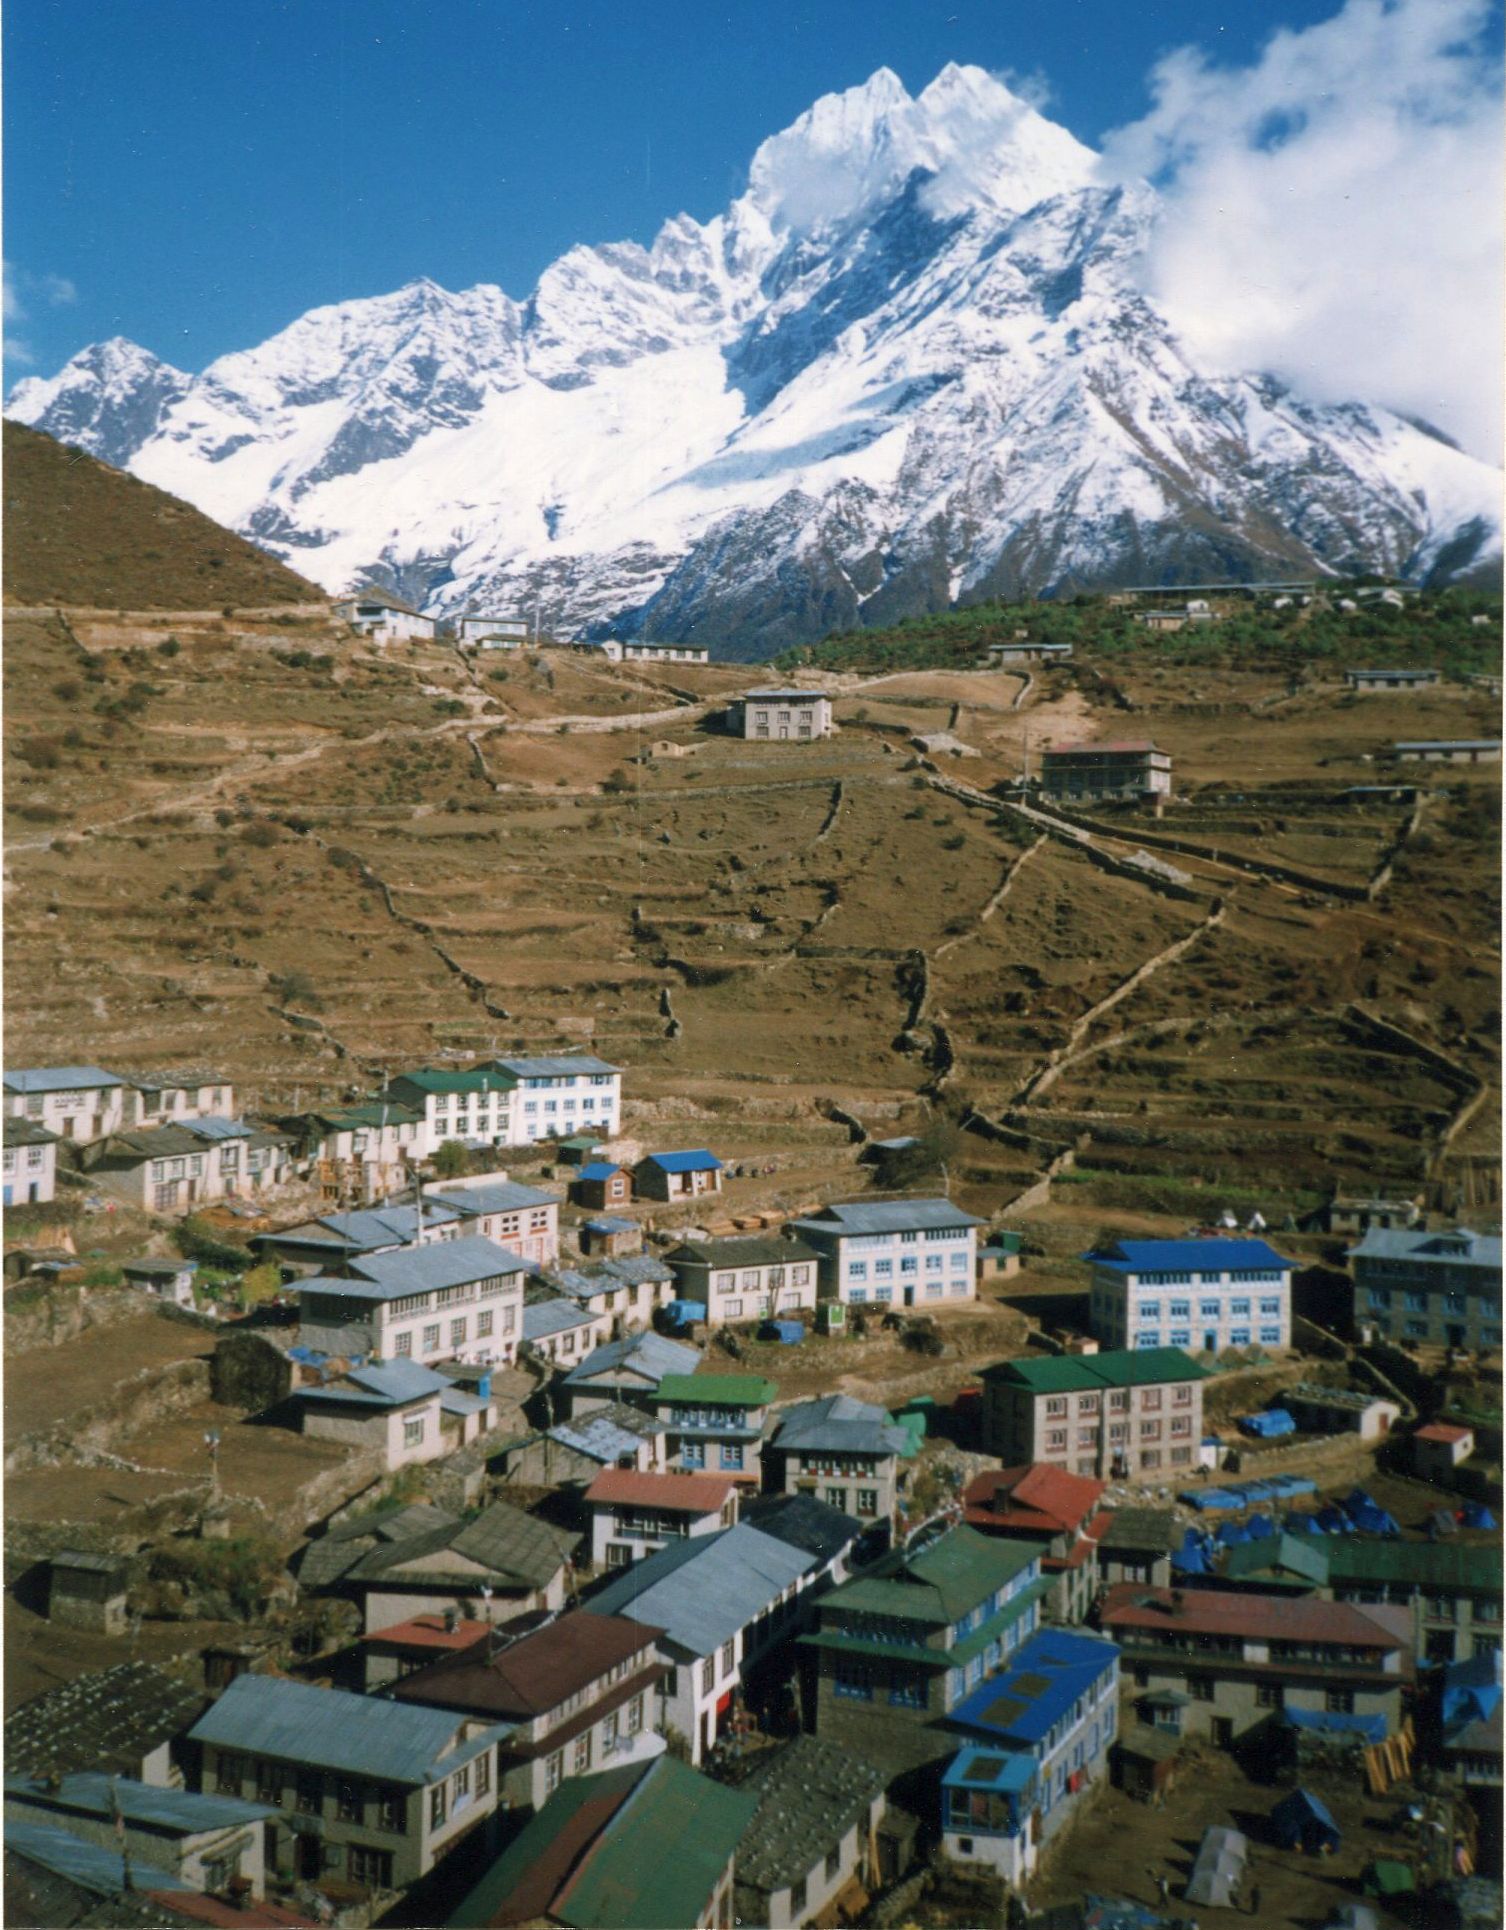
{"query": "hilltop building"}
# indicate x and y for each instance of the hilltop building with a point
(781, 716)
(909, 1253)
(1204, 1295)
(1443, 1289)
(1086, 773)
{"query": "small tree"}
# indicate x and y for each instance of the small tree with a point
(451, 1159)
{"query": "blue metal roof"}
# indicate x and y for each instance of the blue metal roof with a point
(1196, 1256)
(59, 1078)
(598, 1169)
(1331, 1722)
(1045, 1676)
(990, 1769)
(90, 1865)
(401, 1742)
(607, 1224)
(702, 1590)
(446, 1263)
(696, 1161)
(182, 1810)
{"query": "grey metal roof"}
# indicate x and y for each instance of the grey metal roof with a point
(703, 1590)
(544, 1317)
(518, 1549)
(839, 1424)
(392, 1383)
(378, 1226)
(89, 1865)
(1154, 1530)
(26, 1132)
(90, 1793)
(802, 1521)
(769, 1251)
(597, 1436)
(568, 1066)
(608, 1223)
(1457, 1246)
(649, 1354)
(335, 1553)
(447, 1263)
(499, 1196)
(810, 1793)
(109, 1720)
(886, 1216)
(400, 1742)
(58, 1078)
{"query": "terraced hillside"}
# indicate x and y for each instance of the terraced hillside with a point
(264, 844)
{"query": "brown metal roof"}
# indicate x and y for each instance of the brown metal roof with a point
(534, 1675)
(692, 1494)
(1214, 1611)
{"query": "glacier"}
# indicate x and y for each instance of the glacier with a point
(914, 363)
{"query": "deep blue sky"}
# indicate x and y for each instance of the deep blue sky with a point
(200, 172)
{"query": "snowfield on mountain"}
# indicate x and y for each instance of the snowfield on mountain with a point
(914, 364)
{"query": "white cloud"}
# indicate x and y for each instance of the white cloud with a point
(1334, 210)
(21, 293)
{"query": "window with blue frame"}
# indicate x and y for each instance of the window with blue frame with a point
(1270, 1306)
(1148, 1340)
(693, 1454)
(906, 1691)
(1380, 1296)
(933, 1263)
(883, 1269)
(1181, 1310)
(854, 1680)
(857, 1270)
(1270, 1336)
(1417, 1303)
(909, 1265)
(1210, 1309)
(1240, 1307)
(1239, 1337)
(731, 1454)
(1179, 1337)
(883, 1294)
(857, 1295)
(959, 1260)
(1150, 1310)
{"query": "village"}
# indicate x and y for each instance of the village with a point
(642, 1291)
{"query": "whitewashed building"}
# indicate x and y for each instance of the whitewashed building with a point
(511, 1102)
(634, 650)
(906, 1253)
(455, 1300)
(31, 1153)
(81, 1103)
(381, 617)
(1200, 1295)
(782, 716)
(493, 633)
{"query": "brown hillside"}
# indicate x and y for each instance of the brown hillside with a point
(79, 532)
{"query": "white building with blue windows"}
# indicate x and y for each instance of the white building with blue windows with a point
(905, 1253)
(1038, 1738)
(1201, 1295)
(511, 1102)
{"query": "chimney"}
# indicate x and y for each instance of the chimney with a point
(451, 1620)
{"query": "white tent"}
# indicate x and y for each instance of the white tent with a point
(1219, 1869)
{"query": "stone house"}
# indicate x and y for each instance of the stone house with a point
(361, 1152)
(599, 1185)
(388, 1654)
(402, 1410)
(1438, 1449)
(1057, 1511)
(125, 1720)
(1442, 1289)
(715, 1423)
(845, 1452)
(1087, 773)
(172, 1169)
(635, 650)
(329, 1243)
(1120, 1414)
(581, 1694)
(381, 617)
(609, 1237)
(810, 1852)
(1218, 1664)
(205, 1842)
(1137, 1544)
(496, 632)
(899, 1646)
(634, 1515)
(512, 1102)
(1449, 750)
(87, 1591)
(166, 1098)
(1407, 678)
(627, 1370)
(371, 1790)
(626, 1291)
(745, 1279)
(1451, 1592)
(781, 716)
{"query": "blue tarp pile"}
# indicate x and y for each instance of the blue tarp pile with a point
(1325, 1722)
(1260, 1528)
(683, 1312)
(1206, 1498)
(1477, 1515)
(1231, 1534)
(1270, 1425)
(1190, 1559)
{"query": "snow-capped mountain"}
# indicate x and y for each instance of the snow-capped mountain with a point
(912, 364)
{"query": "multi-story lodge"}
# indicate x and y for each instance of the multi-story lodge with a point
(1082, 773)
(522, 1218)
(1112, 1415)
(1058, 1511)
(75, 1102)
(898, 1647)
(782, 716)
(745, 1279)
(1443, 1289)
(362, 1787)
(455, 1300)
(633, 1514)
(581, 1694)
(511, 1102)
(845, 1452)
(715, 1422)
(911, 1253)
(31, 1153)
(1218, 1664)
(1202, 1295)
(1038, 1740)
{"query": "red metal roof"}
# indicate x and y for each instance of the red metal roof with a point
(1217, 1611)
(1036, 1496)
(691, 1494)
(429, 1632)
(213, 1909)
(1441, 1431)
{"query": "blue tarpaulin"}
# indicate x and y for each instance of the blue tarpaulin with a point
(1260, 1528)
(1298, 1524)
(1209, 1498)
(1273, 1422)
(1232, 1533)
(1300, 1819)
(684, 1311)
(1330, 1723)
(1190, 1561)
(1477, 1515)
(1334, 1521)
(787, 1332)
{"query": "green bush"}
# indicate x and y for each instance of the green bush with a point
(196, 1241)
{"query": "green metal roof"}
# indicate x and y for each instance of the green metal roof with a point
(1078, 1373)
(658, 1862)
(716, 1390)
(1425, 1563)
(952, 1658)
(457, 1079)
(1301, 1562)
(940, 1582)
